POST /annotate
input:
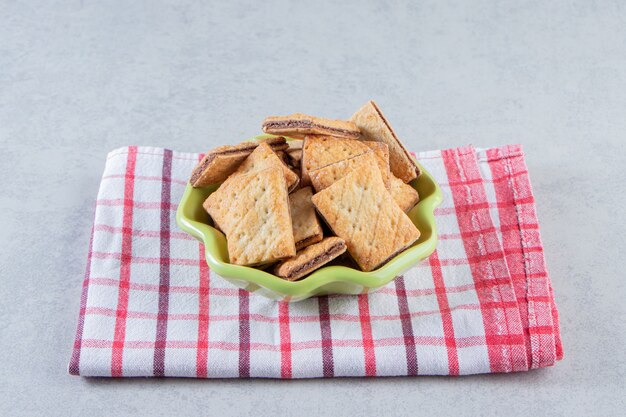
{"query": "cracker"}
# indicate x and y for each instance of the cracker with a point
(403, 194)
(252, 209)
(320, 151)
(222, 161)
(310, 259)
(277, 143)
(374, 127)
(216, 167)
(306, 226)
(264, 157)
(381, 150)
(361, 211)
(298, 125)
(324, 177)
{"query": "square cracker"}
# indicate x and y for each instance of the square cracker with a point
(310, 259)
(361, 211)
(319, 151)
(306, 226)
(374, 127)
(403, 194)
(264, 157)
(222, 161)
(253, 210)
(324, 177)
(298, 125)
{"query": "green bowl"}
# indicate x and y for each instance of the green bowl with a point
(192, 218)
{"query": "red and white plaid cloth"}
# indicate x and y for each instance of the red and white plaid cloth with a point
(481, 303)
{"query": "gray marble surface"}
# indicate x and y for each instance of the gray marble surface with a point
(80, 78)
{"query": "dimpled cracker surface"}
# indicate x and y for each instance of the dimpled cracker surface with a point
(381, 150)
(359, 209)
(306, 227)
(252, 209)
(222, 204)
(319, 151)
(264, 157)
(403, 194)
(325, 177)
(374, 127)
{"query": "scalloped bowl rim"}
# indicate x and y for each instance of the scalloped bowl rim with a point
(214, 243)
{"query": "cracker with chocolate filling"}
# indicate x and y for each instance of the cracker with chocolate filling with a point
(306, 227)
(298, 125)
(360, 210)
(222, 161)
(375, 127)
(310, 259)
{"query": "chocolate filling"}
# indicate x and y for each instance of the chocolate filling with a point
(197, 173)
(302, 243)
(278, 143)
(306, 124)
(284, 124)
(323, 258)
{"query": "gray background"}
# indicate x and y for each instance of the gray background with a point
(80, 78)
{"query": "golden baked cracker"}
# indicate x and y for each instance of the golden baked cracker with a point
(264, 157)
(216, 167)
(320, 151)
(310, 259)
(298, 125)
(277, 143)
(381, 150)
(253, 210)
(374, 127)
(359, 209)
(306, 226)
(324, 177)
(403, 194)
(222, 161)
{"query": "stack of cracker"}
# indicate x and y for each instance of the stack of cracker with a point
(353, 174)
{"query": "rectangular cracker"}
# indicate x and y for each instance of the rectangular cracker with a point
(375, 127)
(298, 125)
(403, 194)
(253, 210)
(310, 259)
(320, 151)
(222, 161)
(306, 226)
(360, 210)
(324, 177)
(264, 157)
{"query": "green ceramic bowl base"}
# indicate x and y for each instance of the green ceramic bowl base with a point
(193, 219)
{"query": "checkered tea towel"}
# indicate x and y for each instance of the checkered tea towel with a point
(481, 303)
